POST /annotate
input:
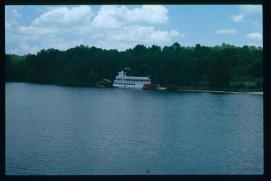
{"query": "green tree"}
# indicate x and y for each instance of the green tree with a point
(173, 65)
(92, 77)
(219, 74)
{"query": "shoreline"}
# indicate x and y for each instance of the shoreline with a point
(200, 90)
(220, 91)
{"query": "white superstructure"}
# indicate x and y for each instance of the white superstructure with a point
(123, 81)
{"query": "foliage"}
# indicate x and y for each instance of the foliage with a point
(172, 66)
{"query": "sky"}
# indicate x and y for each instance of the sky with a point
(31, 28)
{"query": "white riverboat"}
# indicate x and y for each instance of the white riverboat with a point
(124, 81)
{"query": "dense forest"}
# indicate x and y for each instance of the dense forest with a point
(174, 66)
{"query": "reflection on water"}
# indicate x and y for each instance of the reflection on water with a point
(64, 131)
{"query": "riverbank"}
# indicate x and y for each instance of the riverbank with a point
(175, 89)
(221, 90)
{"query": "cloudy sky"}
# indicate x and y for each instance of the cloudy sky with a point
(29, 29)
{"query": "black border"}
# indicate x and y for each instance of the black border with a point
(266, 85)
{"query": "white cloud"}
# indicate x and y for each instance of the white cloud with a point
(248, 9)
(107, 18)
(64, 15)
(112, 27)
(164, 36)
(32, 30)
(149, 13)
(26, 48)
(129, 36)
(255, 36)
(12, 15)
(250, 13)
(238, 18)
(16, 13)
(111, 16)
(257, 25)
(7, 25)
(60, 43)
(227, 31)
(63, 19)
(60, 19)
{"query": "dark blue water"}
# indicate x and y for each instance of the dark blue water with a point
(58, 130)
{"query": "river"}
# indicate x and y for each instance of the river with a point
(55, 130)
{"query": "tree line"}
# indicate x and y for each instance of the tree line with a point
(171, 66)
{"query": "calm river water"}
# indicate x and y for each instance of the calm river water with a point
(54, 130)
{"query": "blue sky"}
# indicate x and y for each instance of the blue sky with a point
(29, 29)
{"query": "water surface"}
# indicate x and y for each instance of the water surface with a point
(54, 130)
